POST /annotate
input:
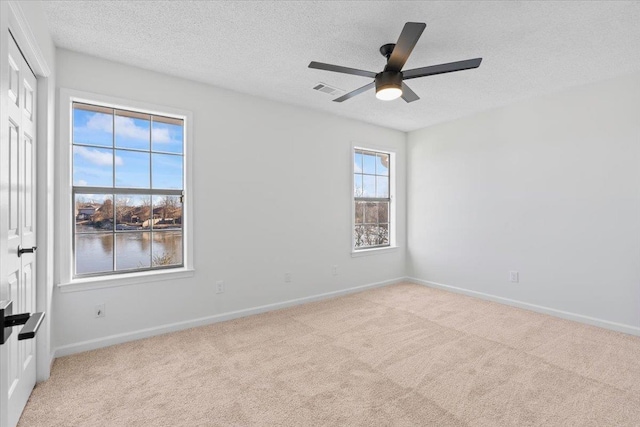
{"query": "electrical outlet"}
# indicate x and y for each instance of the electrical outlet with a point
(334, 270)
(219, 287)
(99, 311)
(514, 276)
(287, 277)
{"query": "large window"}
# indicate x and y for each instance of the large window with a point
(372, 198)
(127, 192)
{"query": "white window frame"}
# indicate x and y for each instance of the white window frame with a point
(392, 204)
(65, 220)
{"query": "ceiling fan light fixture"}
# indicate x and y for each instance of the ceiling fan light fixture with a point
(389, 85)
(389, 93)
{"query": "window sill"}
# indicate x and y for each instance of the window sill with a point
(77, 285)
(372, 251)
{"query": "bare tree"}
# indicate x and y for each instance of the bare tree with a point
(360, 236)
(168, 205)
(123, 210)
(144, 211)
(106, 211)
(170, 208)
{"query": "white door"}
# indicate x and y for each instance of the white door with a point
(18, 282)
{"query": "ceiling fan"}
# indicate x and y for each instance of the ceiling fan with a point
(389, 83)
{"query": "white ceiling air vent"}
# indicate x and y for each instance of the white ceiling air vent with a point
(323, 87)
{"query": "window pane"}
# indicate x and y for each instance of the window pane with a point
(94, 253)
(368, 186)
(167, 212)
(167, 137)
(132, 132)
(383, 212)
(92, 166)
(371, 213)
(93, 212)
(132, 211)
(359, 236)
(371, 235)
(167, 171)
(357, 185)
(103, 218)
(132, 169)
(133, 250)
(382, 235)
(90, 127)
(382, 186)
(357, 162)
(369, 163)
(359, 212)
(167, 248)
(382, 164)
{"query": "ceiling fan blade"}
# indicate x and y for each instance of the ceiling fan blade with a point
(355, 92)
(407, 94)
(406, 42)
(339, 69)
(442, 68)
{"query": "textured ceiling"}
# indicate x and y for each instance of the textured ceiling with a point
(263, 48)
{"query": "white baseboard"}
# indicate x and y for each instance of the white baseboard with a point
(620, 327)
(187, 324)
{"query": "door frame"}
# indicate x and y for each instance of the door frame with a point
(13, 18)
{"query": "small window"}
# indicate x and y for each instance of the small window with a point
(127, 192)
(372, 196)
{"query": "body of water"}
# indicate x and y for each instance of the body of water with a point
(94, 252)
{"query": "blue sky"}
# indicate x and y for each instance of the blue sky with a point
(92, 198)
(93, 165)
(371, 176)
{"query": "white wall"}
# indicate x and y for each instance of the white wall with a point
(548, 187)
(272, 194)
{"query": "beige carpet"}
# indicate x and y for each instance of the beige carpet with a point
(403, 355)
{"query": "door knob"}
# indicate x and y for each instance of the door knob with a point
(7, 321)
(26, 250)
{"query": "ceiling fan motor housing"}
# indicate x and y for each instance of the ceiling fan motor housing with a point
(388, 79)
(387, 49)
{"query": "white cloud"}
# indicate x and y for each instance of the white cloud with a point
(99, 122)
(161, 135)
(126, 127)
(97, 157)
